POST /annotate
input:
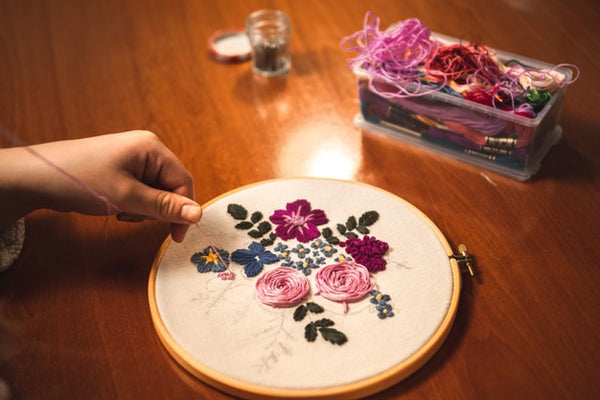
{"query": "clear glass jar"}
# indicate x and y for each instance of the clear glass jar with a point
(269, 33)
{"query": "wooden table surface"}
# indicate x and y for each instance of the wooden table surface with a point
(74, 311)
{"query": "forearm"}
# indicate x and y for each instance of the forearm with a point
(17, 190)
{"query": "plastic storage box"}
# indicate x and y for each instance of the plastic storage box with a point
(478, 134)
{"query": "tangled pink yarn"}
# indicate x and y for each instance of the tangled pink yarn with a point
(282, 287)
(343, 282)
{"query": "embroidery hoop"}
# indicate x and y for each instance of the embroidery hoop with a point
(363, 386)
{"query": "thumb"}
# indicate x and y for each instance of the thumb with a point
(165, 206)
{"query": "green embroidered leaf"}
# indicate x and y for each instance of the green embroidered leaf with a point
(333, 336)
(351, 223)
(324, 323)
(368, 218)
(272, 236)
(237, 212)
(256, 216)
(266, 242)
(341, 228)
(300, 313)
(333, 240)
(326, 232)
(264, 227)
(245, 225)
(362, 229)
(310, 332)
(314, 308)
(255, 234)
(350, 235)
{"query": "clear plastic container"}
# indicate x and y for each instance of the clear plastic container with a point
(481, 135)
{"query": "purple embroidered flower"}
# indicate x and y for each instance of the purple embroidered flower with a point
(367, 251)
(211, 260)
(253, 259)
(298, 221)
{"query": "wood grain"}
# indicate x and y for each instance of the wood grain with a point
(74, 313)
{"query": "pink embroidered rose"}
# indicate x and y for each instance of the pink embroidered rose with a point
(298, 221)
(282, 287)
(343, 282)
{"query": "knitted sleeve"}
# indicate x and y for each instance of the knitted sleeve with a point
(11, 243)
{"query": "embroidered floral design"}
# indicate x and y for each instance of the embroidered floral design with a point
(343, 282)
(211, 259)
(367, 251)
(301, 251)
(306, 265)
(322, 326)
(328, 250)
(253, 259)
(381, 301)
(361, 226)
(256, 227)
(282, 287)
(298, 221)
(342, 257)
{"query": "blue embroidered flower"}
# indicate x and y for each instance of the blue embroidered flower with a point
(320, 260)
(281, 247)
(211, 259)
(301, 251)
(253, 259)
(328, 250)
(305, 266)
(317, 244)
(384, 311)
(379, 298)
(342, 257)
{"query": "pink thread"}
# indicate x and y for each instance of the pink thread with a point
(226, 275)
(282, 287)
(343, 282)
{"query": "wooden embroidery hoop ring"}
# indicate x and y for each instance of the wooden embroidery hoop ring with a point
(354, 390)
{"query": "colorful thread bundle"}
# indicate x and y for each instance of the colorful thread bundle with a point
(405, 60)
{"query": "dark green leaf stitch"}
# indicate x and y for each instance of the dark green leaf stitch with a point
(368, 218)
(255, 234)
(256, 217)
(351, 223)
(362, 229)
(310, 332)
(350, 235)
(264, 227)
(245, 225)
(300, 313)
(341, 228)
(326, 233)
(323, 325)
(333, 336)
(237, 211)
(314, 308)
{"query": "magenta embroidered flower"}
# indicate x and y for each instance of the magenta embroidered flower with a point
(282, 287)
(367, 251)
(343, 282)
(298, 221)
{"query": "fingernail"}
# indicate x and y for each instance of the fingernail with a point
(191, 213)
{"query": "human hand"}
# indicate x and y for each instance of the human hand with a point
(134, 171)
